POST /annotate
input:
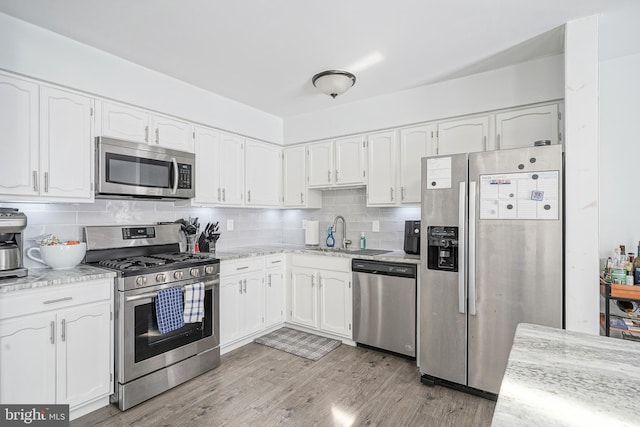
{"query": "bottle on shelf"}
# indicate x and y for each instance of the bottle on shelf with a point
(636, 268)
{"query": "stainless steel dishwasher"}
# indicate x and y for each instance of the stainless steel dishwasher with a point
(384, 305)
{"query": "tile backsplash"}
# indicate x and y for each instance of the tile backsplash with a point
(251, 226)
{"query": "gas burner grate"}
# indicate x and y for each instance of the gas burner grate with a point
(182, 256)
(135, 263)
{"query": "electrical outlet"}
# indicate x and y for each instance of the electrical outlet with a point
(229, 225)
(304, 224)
(375, 226)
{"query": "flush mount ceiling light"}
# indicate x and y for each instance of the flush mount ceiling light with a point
(334, 82)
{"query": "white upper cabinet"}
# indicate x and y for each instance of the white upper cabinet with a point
(349, 161)
(463, 136)
(231, 163)
(123, 122)
(336, 163)
(65, 144)
(415, 143)
(139, 125)
(207, 179)
(381, 189)
(172, 133)
(521, 128)
(294, 182)
(263, 174)
(19, 139)
(320, 164)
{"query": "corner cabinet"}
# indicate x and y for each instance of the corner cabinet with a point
(263, 174)
(46, 137)
(320, 292)
(56, 345)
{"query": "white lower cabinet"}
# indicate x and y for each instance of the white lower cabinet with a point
(321, 294)
(56, 346)
(274, 291)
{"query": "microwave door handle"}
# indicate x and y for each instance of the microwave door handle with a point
(175, 175)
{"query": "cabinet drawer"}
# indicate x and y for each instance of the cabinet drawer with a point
(38, 300)
(274, 261)
(322, 262)
(241, 266)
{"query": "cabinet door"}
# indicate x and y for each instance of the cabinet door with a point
(19, 139)
(335, 302)
(252, 301)
(463, 136)
(294, 180)
(120, 121)
(28, 360)
(172, 133)
(522, 128)
(304, 297)
(320, 164)
(207, 158)
(230, 293)
(231, 168)
(263, 174)
(274, 295)
(65, 144)
(415, 143)
(350, 161)
(381, 189)
(83, 353)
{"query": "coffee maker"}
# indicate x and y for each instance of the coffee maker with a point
(12, 225)
(412, 237)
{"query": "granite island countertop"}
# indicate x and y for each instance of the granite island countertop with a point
(556, 377)
(251, 251)
(45, 276)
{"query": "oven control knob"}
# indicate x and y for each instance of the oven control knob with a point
(208, 269)
(141, 281)
(195, 272)
(178, 275)
(161, 277)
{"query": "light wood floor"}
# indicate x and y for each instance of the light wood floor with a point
(260, 386)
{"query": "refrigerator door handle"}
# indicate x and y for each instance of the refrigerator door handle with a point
(462, 194)
(472, 248)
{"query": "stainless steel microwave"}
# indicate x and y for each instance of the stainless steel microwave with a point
(127, 169)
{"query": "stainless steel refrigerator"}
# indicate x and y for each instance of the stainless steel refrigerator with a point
(492, 227)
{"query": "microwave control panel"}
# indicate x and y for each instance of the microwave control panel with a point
(184, 176)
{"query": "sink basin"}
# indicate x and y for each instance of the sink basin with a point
(352, 251)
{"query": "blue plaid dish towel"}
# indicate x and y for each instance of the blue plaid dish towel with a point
(169, 310)
(194, 303)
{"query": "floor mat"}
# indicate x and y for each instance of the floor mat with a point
(299, 343)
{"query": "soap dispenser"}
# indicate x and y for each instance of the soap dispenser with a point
(330, 240)
(363, 241)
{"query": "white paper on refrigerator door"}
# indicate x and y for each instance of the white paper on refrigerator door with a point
(439, 173)
(528, 195)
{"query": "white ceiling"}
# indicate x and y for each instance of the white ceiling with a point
(264, 53)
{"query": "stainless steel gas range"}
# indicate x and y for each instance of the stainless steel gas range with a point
(147, 258)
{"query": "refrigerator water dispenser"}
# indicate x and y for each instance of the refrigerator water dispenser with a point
(442, 248)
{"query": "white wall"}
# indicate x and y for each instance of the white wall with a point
(619, 126)
(531, 82)
(42, 54)
(582, 301)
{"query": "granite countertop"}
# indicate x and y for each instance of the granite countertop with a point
(560, 378)
(251, 251)
(43, 277)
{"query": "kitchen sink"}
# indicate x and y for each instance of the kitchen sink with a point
(352, 251)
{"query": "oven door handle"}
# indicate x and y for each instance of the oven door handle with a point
(149, 295)
(175, 175)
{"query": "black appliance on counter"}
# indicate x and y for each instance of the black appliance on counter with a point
(412, 237)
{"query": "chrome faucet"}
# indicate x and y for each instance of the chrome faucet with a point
(345, 241)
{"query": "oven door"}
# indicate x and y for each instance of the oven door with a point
(131, 169)
(142, 349)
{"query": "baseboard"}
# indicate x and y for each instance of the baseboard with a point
(226, 348)
(321, 333)
(86, 408)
